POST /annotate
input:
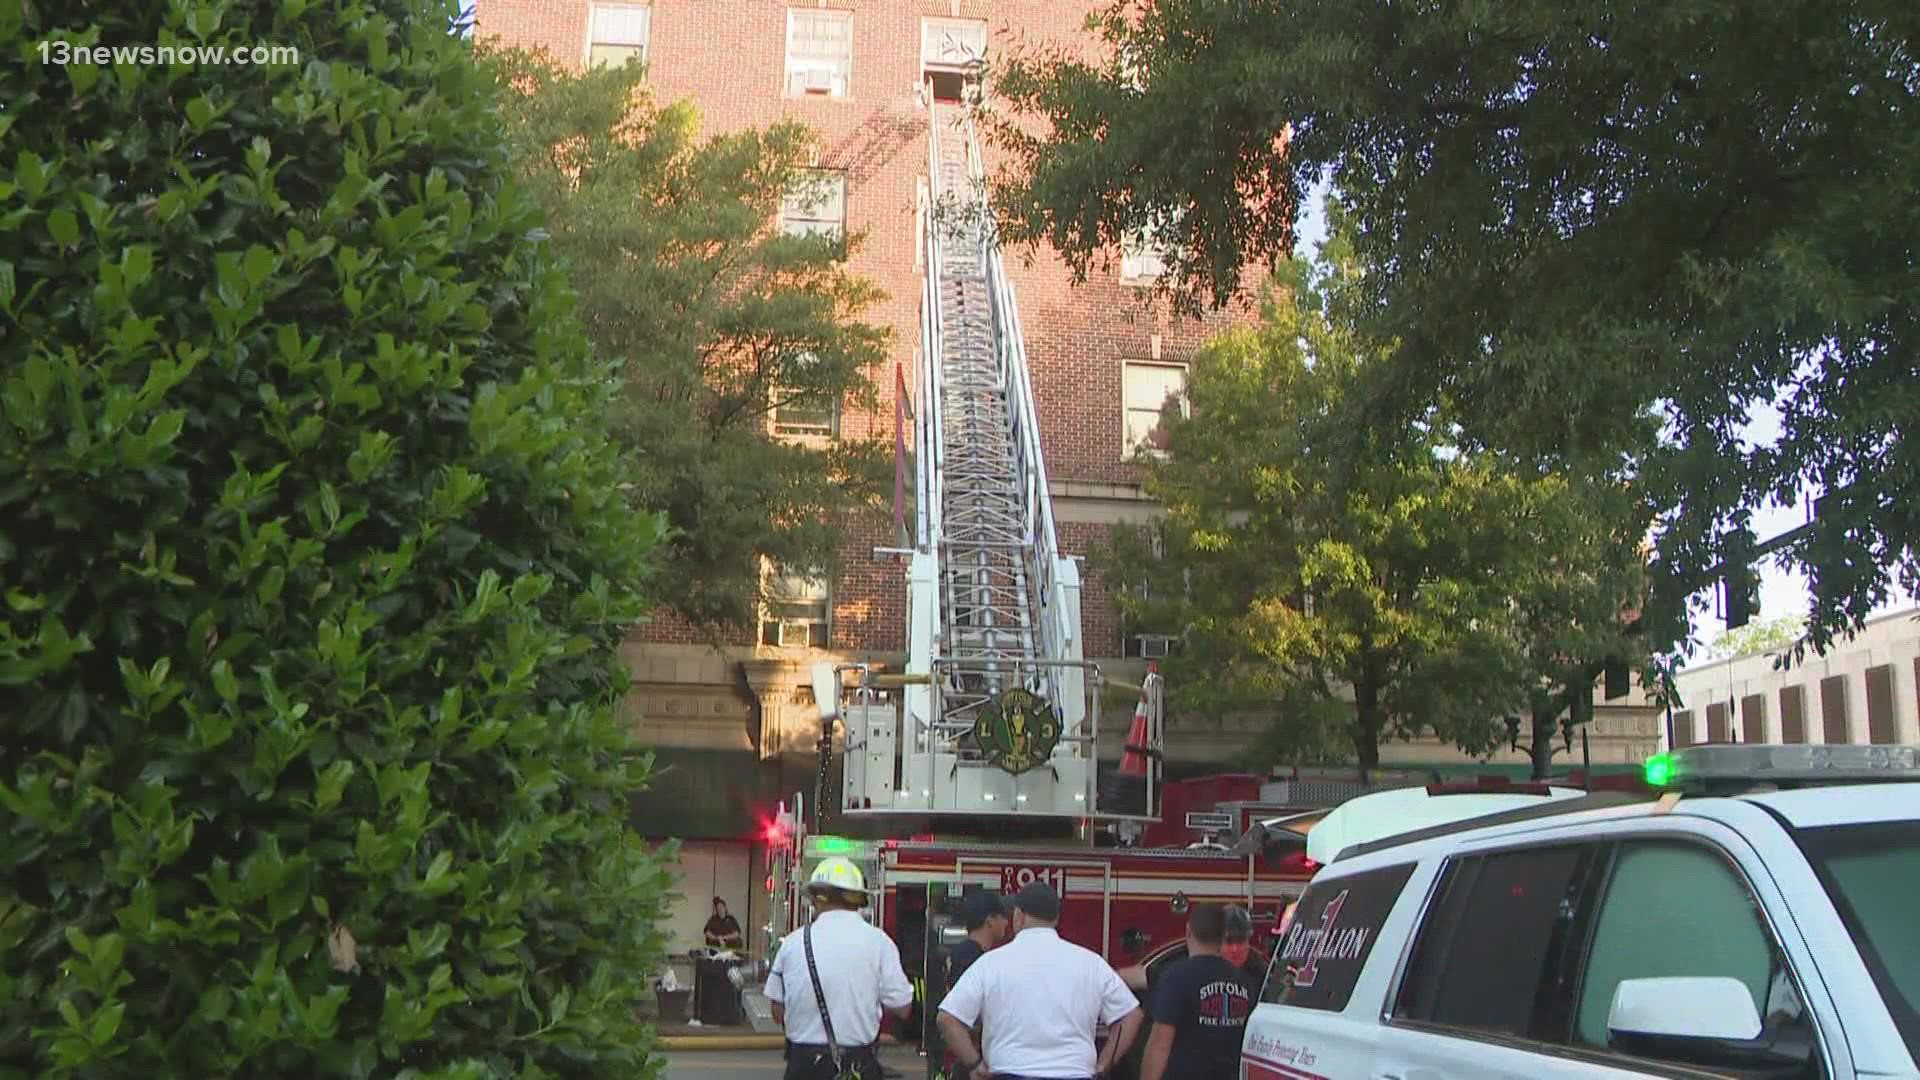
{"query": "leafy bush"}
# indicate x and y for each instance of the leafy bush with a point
(313, 563)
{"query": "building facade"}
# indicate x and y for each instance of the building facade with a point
(733, 726)
(1866, 690)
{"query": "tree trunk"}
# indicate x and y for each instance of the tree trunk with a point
(1545, 730)
(1366, 726)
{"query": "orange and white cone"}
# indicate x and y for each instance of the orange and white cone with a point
(1134, 761)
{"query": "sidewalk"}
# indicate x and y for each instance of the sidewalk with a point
(897, 1057)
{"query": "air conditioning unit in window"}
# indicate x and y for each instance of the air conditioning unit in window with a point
(1154, 646)
(818, 80)
(795, 634)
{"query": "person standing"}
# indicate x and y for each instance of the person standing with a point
(723, 930)
(1039, 1000)
(1237, 946)
(984, 915)
(1200, 1007)
(833, 978)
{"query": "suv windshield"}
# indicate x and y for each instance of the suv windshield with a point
(1873, 873)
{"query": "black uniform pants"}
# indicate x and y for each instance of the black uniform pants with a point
(806, 1061)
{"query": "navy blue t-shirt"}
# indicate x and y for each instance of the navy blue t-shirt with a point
(1206, 1000)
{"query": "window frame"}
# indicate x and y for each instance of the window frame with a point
(803, 433)
(1590, 864)
(593, 11)
(788, 67)
(837, 179)
(1145, 257)
(1793, 952)
(819, 631)
(930, 24)
(1128, 449)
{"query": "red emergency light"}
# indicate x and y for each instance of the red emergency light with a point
(773, 832)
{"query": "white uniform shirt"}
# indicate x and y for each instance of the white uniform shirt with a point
(859, 973)
(1039, 999)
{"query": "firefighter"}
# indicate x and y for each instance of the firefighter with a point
(1039, 999)
(1200, 1007)
(852, 966)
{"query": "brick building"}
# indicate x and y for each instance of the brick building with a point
(736, 723)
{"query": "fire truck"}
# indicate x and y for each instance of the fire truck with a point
(976, 764)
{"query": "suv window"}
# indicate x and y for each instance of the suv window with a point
(1674, 909)
(1872, 872)
(1334, 928)
(1500, 943)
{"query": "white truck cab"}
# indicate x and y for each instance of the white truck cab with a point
(1760, 917)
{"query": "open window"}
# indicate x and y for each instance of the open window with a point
(951, 52)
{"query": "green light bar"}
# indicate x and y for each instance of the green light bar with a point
(1785, 764)
(1659, 770)
(832, 845)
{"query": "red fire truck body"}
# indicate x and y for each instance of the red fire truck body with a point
(1123, 903)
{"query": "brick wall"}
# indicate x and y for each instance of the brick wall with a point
(728, 56)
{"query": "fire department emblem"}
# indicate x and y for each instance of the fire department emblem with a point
(1017, 731)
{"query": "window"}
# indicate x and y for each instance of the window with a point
(617, 32)
(815, 204)
(1753, 718)
(1882, 728)
(1333, 932)
(800, 413)
(1149, 390)
(1146, 253)
(819, 52)
(952, 44)
(1500, 944)
(1717, 721)
(1681, 909)
(1833, 709)
(1683, 728)
(1793, 714)
(1872, 872)
(797, 610)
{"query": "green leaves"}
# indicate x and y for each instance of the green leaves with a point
(1348, 583)
(1570, 250)
(292, 515)
(719, 320)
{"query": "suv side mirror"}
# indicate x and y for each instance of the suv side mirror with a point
(1701, 1020)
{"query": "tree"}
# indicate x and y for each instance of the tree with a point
(314, 572)
(1304, 561)
(1582, 216)
(1771, 635)
(721, 320)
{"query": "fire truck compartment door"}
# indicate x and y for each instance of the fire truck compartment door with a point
(1078, 881)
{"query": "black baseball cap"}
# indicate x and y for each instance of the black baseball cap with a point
(1040, 901)
(978, 907)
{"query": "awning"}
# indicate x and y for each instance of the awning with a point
(701, 795)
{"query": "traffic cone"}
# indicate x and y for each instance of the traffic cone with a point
(1134, 761)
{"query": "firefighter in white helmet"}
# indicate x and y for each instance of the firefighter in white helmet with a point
(832, 978)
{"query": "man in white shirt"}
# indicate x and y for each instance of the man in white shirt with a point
(1039, 1000)
(859, 975)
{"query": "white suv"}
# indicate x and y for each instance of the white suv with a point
(1759, 919)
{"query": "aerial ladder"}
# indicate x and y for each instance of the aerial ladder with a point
(997, 712)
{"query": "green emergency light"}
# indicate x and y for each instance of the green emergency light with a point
(834, 845)
(1659, 770)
